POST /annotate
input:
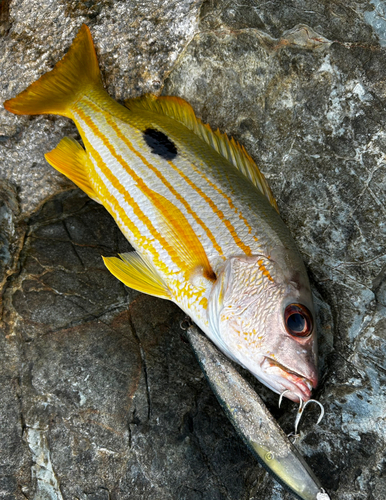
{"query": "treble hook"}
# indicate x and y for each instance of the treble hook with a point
(302, 406)
(282, 394)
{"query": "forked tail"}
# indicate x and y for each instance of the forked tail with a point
(57, 90)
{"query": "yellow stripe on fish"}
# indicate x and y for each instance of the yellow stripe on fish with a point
(120, 131)
(197, 210)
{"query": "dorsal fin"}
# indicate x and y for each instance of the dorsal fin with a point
(180, 110)
(135, 273)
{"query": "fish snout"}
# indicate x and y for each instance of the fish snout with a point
(282, 378)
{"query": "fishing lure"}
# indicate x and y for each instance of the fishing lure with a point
(253, 422)
(198, 212)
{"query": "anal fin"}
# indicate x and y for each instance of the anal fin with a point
(70, 159)
(135, 273)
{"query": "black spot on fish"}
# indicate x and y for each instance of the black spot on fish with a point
(160, 144)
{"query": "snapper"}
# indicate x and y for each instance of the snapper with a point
(198, 212)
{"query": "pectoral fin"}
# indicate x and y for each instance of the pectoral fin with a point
(135, 273)
(70, 159)
(182, 240)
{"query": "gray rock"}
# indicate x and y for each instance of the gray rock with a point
(10, 231)
(111, 398)
(101, 397)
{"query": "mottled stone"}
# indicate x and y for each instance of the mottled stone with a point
(14, 459)
(9, 234)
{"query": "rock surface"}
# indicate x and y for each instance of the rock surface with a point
(101, 398)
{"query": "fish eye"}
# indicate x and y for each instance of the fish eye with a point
(298, 320)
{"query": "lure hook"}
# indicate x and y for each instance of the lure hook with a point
(302, 406)
(301, 409)
(282, 394)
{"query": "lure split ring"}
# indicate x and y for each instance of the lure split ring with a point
(185, 323)
(302, 406)
(322, 495)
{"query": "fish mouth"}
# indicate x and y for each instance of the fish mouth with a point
(299, 387)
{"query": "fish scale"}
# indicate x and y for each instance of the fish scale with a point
(154, 174)
(169, 173)
(198, 212)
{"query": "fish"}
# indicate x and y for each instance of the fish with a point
(254, 423)
(200, 215)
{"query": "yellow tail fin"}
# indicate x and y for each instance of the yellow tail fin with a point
(55, 91)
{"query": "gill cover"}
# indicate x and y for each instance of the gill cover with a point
(257, 318)
(216, 305)
(233, 312)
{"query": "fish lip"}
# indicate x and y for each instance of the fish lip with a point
(297, 384)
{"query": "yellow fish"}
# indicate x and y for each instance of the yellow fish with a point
(198, 212)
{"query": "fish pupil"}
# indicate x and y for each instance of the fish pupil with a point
(298, 320)
(296, 323)
(160, 144)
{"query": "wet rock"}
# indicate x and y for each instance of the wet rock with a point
(14, 461)
(12, 232)
(9, 233)
(101, 395)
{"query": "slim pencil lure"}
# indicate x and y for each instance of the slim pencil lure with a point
(253, 422)
(198, 212)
